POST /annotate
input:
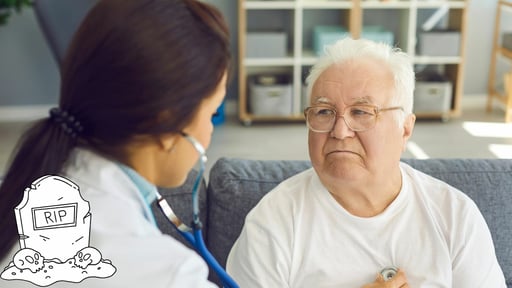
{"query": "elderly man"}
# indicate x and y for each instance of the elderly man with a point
(360, 212)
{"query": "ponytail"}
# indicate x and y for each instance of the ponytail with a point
(42, 150)
(116, 78)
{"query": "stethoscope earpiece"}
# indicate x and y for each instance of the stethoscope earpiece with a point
(388, 272)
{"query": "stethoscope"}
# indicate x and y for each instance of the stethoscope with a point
(194, 235)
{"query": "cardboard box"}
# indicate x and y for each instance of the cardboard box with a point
(266, 44)
(432, 97)
(270, 95)
(439, 43)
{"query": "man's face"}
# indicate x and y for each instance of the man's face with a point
(357, 157)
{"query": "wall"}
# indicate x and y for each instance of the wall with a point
(29, 76)
(230, 11)
(479, 37)
(28, 73)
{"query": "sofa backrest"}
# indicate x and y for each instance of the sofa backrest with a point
(236, 185)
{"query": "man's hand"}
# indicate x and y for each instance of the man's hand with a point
(398, 281)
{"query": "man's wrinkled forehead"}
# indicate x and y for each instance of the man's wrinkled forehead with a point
(320, 100)
(327, 91)
(330, 80)
(355, 81)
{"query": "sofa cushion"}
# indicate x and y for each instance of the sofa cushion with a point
(489, 184)
(236, 185)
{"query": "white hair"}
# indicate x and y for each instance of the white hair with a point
(399, 63)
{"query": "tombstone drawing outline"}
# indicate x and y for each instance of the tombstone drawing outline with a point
(54, 224)
(50, 203)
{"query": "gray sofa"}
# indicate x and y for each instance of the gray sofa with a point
(236, 185)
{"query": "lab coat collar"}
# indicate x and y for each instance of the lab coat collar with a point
(90, 169)
(146, 189)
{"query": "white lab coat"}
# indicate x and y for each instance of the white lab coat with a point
(122, 230)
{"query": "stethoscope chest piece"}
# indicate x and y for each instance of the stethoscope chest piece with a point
(388, 273)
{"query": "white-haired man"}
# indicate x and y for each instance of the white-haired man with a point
(360, 210)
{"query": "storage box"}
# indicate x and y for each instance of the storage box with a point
(439, 43)
(327, 35)
(270, 95)
(507, 40)
(305, 99)
(432, 97)
(378, 34)
(266, 44)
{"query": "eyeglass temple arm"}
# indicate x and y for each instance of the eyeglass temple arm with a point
(391, 108)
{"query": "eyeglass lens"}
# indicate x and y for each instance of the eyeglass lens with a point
(357, 118)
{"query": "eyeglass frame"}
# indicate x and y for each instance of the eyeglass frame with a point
(377, 111)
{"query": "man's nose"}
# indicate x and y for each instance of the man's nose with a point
(341, 130)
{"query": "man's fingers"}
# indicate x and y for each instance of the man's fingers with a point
(399, 280)
(379, 278)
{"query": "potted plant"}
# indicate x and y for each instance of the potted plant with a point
(8, 6)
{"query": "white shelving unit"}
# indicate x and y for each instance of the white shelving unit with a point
(404, 20)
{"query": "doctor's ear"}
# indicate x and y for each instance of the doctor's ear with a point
(167, 142)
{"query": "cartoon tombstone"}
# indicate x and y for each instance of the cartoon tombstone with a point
(53, 218)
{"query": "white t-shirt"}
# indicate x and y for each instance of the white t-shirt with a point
(299, 236)
(122, 230)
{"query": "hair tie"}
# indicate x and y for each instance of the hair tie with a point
(67, 122)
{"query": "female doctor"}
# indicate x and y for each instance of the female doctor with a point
(138, 76)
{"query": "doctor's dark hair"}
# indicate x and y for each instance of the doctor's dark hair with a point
(134, 67)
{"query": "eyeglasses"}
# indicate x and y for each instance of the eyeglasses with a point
(357, 117)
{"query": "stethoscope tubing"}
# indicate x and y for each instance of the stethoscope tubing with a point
(194, 236)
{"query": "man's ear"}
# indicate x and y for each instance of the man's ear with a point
(408, 128)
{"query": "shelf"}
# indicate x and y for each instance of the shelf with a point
(505, 52)
(502, 97)
(437, 60)
(386, 5)
(506, 7)
(437, 4)
(402, 18)
(308, 57)
(288, 61)
(504, 100)
(269, 5)
(323, 4)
